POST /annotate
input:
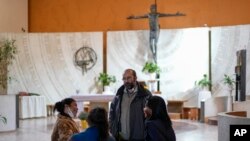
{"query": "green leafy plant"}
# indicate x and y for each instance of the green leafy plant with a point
(3, 119)
(151, 67)
(228, 80)
(204, 82)
(106, 79)
(8, 50)
(83, 115)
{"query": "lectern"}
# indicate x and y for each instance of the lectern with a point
(240, 70)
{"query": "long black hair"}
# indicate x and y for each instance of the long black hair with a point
(98, 117)
(59, 106)
(159, 109)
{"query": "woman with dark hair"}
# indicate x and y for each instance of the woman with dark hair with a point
(98, 127)
(158, 125)
(65, 126)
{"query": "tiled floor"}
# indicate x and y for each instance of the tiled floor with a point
(40, 130)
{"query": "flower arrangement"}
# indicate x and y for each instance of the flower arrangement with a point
(106, 79)
(204, 82)
(151, 67)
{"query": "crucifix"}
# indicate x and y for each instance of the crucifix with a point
(154, 26)
(154, 32)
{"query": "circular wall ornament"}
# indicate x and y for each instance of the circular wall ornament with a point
(85, 58)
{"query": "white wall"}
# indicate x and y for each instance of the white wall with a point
(45, 61)
(45, 65)
(182, 57)
(226, 41)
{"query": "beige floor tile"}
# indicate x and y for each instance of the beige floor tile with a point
(40, 130)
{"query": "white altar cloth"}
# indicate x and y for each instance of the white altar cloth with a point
(32, 106)
(94, 97)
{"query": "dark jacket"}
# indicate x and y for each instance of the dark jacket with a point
(157, 130)
(136, 113)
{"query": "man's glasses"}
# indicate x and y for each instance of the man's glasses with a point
(127, 78)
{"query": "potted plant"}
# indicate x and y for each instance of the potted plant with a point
(229, 82)
(204, 94)
(7, 54)
(106, 80)
(3, 119)
(151, 68)
(83, 117)
(204, 83)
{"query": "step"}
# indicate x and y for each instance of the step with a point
(212, 120)
(175, 115)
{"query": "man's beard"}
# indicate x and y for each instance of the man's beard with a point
(129, 86)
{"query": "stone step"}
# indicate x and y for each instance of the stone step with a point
(212, 120)
(175, 115)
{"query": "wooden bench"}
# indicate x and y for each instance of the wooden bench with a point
(175, 108)
(191, 113)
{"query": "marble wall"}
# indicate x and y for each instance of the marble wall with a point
(45, 64)
(226, 41)
(182, 57)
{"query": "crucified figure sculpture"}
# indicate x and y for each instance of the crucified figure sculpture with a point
(154, 26)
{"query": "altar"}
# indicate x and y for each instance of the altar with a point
(175, 108)
(100, 100)
(95, 100)
(32, 107)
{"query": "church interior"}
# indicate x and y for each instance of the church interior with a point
(61, 48)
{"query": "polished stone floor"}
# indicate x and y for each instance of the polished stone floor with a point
(40, 130)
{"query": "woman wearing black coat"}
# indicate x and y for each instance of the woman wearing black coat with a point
(158, 126)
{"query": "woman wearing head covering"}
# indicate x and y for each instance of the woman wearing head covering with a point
(158, 126)
(65, 126)
(98, 127)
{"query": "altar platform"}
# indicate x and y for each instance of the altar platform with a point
(95, 100)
